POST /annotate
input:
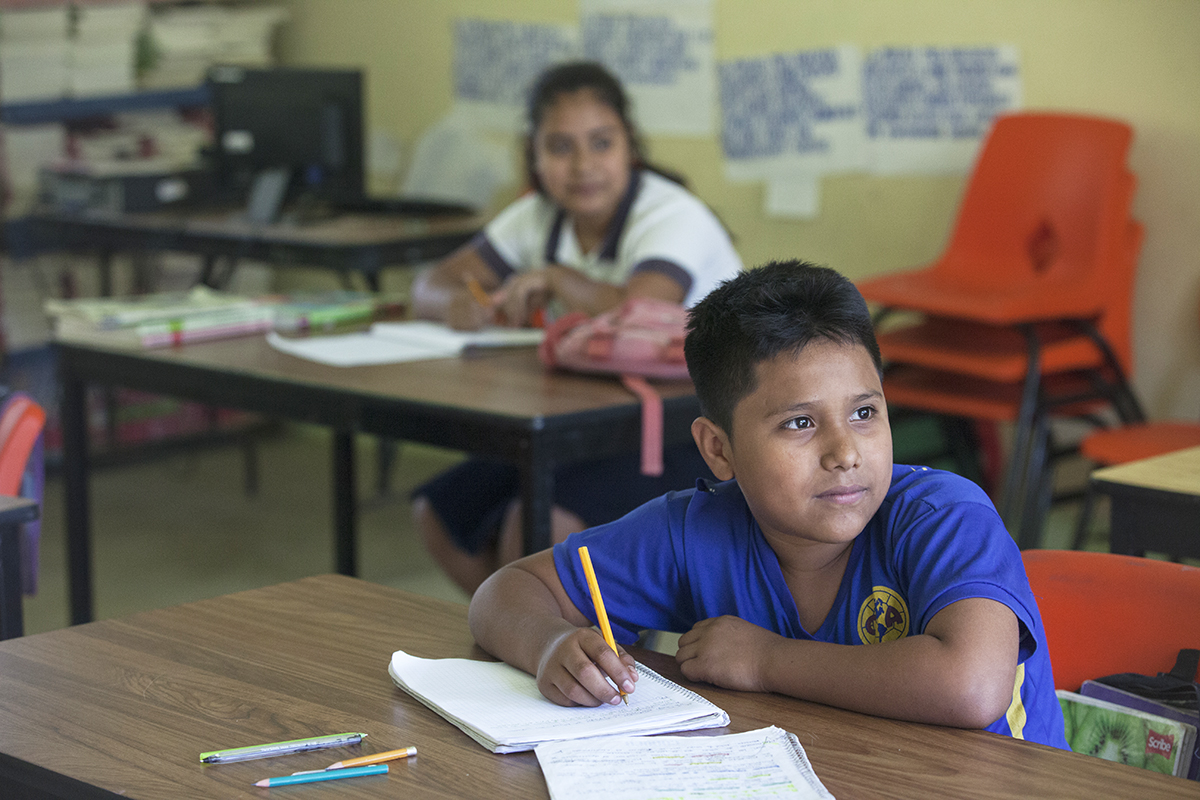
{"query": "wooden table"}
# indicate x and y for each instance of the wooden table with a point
(362, 244)
(14, 512)
(1155, 504)
(503, 403)
(123, 708)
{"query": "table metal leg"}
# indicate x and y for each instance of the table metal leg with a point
(537, 498)
(12, 618)
(344, 509)
(76, 495)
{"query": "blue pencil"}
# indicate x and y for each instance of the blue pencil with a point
(324, 775)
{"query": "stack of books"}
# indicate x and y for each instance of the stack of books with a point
(34, 53)
(185, 40)
(1119, 726)
(171, 318)
(160, 320)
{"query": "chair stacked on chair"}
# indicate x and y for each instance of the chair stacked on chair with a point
(1026, 314)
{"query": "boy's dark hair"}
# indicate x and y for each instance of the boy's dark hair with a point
(758, 314)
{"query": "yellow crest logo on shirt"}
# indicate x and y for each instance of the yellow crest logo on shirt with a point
(883, 616)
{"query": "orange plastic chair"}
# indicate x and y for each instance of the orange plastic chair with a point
(1037, 280)
(1106, 613)
(1046, 203)
(1029, 400)
(21, 475)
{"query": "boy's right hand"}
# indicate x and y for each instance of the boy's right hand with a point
(575, 669)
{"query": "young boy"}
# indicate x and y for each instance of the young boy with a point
(812, 544)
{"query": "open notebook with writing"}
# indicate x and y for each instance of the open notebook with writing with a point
(500, 706)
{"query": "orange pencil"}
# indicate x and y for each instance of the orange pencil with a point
(598, 602)
(378, 758)
(477, 291)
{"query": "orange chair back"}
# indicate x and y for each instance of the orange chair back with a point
(20, 426)
(1047, 200)
(1106, 613)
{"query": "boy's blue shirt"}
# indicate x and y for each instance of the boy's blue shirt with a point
(935, 539)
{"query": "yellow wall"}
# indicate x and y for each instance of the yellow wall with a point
(1139, 61)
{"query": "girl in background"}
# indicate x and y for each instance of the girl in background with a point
(600, 226)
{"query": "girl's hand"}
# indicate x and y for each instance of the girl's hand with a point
(464, 312)
(522, 294)
(726, 651)
(576, 668)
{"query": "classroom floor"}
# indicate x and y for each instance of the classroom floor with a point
(181, 527)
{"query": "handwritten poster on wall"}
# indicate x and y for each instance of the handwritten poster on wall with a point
(790, 119)
(662, 51)
(495, 62)
(926, 109)
(798, 113)
(786, 119)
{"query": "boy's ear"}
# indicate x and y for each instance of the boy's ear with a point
(714, 446)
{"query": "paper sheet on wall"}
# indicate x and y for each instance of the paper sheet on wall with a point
(768, 762)
(795, 196)
(795, 113)
(928, 108)
(495, 63)
(662, 52)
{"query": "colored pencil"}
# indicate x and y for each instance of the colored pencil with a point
(598, 602)
(378, 758)
(477, 291)
(323, 775)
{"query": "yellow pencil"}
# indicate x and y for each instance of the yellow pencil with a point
(477, 291)
(598, 602)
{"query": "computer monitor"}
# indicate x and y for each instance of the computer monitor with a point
(306, 121)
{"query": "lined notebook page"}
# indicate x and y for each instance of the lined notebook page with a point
(768, 762)
(501, 708)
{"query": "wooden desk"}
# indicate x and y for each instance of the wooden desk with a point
(125, 707)
(14, 512)
(1155, 504)
(362, 244)
(503, 403)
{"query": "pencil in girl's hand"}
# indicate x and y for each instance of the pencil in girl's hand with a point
(478, 292)
(598, 603)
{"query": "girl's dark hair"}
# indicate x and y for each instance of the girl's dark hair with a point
(572, 77)
(759, 313)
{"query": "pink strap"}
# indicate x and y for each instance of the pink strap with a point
(652, 423)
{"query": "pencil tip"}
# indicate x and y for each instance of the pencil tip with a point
(625, 698)
(263, 783)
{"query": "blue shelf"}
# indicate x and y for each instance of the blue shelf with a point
(35, 112)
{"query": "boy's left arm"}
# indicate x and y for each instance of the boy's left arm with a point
(960, 671)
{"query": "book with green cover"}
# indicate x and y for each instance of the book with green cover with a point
(312, 311)
(1126, 735)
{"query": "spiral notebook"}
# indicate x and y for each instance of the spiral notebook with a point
(500, 706)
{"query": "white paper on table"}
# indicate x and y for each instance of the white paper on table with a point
(354, 349)
(768, 762)
(397, 342)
